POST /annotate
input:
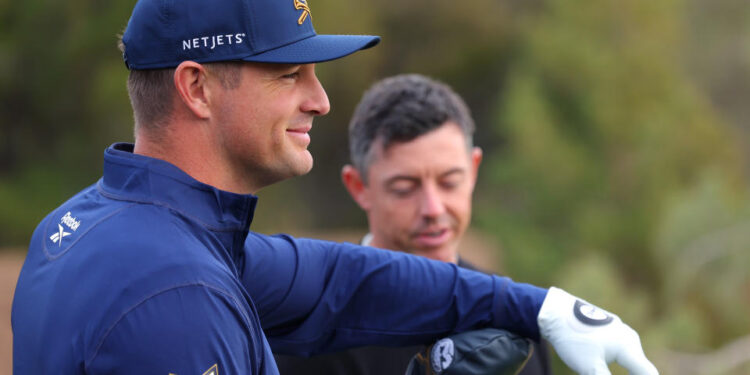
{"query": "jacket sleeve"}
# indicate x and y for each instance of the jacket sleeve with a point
(315, 296)
(192, 329)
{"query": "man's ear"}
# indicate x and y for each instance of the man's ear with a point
(476, 159)
(190, 83)
(357, 189)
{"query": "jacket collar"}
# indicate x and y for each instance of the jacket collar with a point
(138, 178)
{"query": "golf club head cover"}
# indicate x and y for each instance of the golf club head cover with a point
(487, 351)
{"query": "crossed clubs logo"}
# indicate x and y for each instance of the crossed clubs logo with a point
(302, 5)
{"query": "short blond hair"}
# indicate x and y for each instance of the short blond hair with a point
(152, 91)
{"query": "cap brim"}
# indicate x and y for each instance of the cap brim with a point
(317, 48)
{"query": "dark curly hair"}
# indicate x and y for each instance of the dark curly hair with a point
(400, 109)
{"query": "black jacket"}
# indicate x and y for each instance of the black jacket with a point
(372, 360)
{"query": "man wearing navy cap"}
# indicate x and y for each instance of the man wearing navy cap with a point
(153, 270)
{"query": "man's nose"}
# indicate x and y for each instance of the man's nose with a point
(432, 202)
(317, 102)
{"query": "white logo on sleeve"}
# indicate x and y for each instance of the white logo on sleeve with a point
(442, 355)
(69, 221)
(57, 237)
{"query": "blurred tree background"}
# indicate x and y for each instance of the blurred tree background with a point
(615, 137)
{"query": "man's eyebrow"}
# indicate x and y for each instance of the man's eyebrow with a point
(278, 68)
(456, 170)
(403, 177)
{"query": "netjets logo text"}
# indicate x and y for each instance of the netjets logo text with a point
(212, 41)
(69, 222)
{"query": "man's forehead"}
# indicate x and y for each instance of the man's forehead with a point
(433, 142)
(425, 155)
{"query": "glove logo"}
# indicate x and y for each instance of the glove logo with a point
(591, 315)
(442, 355)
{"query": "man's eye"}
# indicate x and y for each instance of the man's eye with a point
(402, 189)
(450, 184)
(451, 181)
(293, 75)
(401, 192)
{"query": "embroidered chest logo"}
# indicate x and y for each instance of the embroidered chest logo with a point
(214, 370)
(302, 5)
(70, 222)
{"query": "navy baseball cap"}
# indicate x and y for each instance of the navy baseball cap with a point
(164, 33)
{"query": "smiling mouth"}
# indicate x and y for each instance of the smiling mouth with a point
(300, 130)
(300, 135)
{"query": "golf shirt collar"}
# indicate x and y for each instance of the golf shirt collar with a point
(138, 178)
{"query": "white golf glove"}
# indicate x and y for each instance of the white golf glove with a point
(587, 338)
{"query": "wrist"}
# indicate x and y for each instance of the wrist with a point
(516, 306)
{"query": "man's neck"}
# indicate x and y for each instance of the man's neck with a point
(195, 156)
(445, 255)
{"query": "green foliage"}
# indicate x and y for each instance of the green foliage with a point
(28, 197)
(601, 127)
(619, 180)
(63, 101)
(703, 241)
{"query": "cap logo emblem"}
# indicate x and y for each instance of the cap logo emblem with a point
(302, 5)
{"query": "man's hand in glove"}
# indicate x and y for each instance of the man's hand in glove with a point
(588, 338)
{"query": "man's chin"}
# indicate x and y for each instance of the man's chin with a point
(287, 168)
(442, 253)
(303, 164)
